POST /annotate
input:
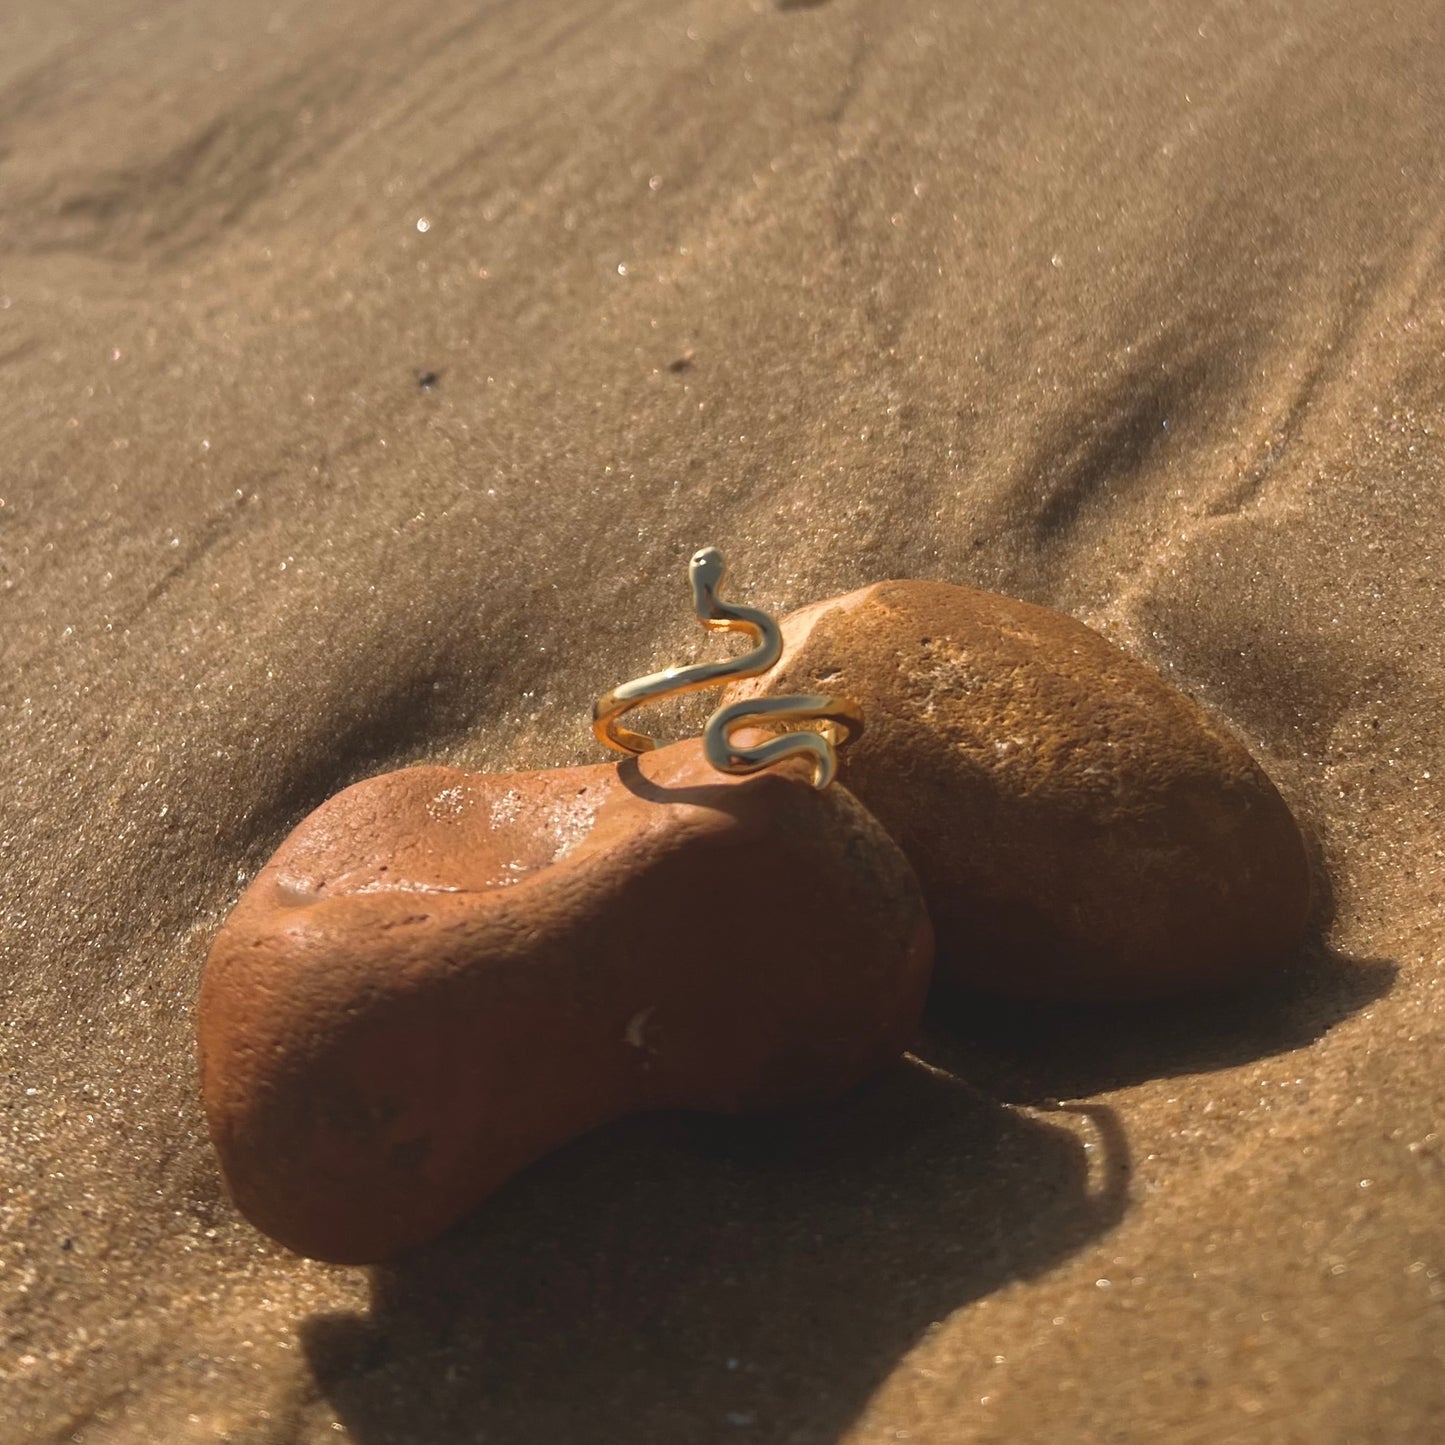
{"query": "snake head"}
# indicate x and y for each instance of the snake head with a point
(706, 571)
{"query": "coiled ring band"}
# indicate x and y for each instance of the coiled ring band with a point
(840, 719)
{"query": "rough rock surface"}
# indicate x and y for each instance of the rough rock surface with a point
(1082, 830)
(441, 976)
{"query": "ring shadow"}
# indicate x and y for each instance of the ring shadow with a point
(691, 1279)
(722, 796)
(708, 795)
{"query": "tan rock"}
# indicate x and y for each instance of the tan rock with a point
(1082, 830)
(441, 976)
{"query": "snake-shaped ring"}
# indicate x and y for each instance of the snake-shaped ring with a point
(841, 719)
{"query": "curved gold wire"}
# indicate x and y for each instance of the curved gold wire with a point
(842, 719)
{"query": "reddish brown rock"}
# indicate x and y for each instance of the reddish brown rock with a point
(441, 976)
(1082, 830)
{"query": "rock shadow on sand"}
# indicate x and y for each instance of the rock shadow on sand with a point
(688, 1279)
(1031, 1053)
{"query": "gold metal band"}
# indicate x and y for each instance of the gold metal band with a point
(841, 718)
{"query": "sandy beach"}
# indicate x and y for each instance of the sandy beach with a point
(369, 373)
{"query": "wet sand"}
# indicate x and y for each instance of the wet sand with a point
(370, 371)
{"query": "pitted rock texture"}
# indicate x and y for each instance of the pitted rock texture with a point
(440, 976)
(1082, 830)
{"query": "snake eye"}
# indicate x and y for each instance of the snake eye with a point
(707, 568)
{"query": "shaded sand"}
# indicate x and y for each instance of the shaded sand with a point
(1134, 309)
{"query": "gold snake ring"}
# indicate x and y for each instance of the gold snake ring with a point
(841, 718)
